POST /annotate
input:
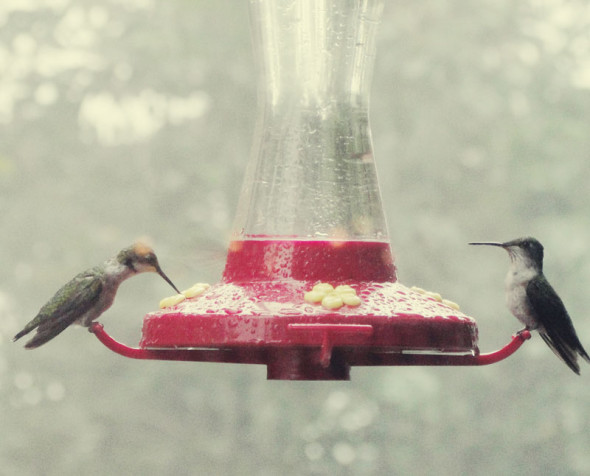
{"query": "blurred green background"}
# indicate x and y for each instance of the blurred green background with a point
(121, 119)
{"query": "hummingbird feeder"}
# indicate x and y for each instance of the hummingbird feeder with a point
(310, 225)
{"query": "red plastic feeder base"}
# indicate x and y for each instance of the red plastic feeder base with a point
(258, 315)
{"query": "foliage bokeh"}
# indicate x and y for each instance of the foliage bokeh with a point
(122, 119)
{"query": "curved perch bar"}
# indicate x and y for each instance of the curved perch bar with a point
(506, 351)
(326, 354)
(195, 355)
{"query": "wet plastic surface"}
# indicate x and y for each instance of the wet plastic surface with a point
(261, 313)
(262, 296)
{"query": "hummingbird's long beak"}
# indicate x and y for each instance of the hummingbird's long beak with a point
(166, 278)
(490, 243)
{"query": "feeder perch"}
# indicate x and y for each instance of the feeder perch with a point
(310, 212)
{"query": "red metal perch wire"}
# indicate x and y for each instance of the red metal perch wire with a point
(354, 356)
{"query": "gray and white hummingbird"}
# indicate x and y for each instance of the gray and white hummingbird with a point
(90, 293)
(533, 301)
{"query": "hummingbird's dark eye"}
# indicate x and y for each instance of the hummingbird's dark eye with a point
(129, 263)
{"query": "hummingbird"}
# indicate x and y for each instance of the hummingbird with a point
(534, 302)
(90, 293)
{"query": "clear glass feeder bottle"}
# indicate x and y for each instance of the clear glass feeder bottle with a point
(310, 202)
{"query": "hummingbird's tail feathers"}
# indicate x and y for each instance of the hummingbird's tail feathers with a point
(20, 334)
(563, 351)
(46, 332)
(583, 353)
(28, 328)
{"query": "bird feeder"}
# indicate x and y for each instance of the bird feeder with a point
(310, 219)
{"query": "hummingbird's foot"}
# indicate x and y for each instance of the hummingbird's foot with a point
(524, 334)
(95, 326)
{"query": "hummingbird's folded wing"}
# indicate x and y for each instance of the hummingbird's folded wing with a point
(71, 302)
(558, 330)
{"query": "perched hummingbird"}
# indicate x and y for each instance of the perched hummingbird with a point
(90, 293)
(534, 302)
